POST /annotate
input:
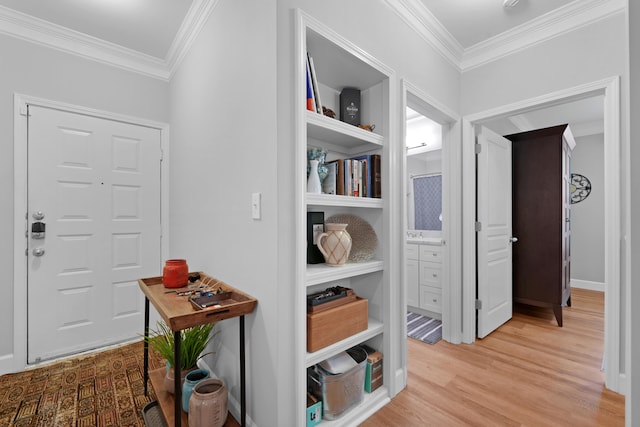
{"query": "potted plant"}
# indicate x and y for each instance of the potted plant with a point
(193, 341)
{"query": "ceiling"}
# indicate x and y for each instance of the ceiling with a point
(472, 22)
(152, 30)
(146, 26)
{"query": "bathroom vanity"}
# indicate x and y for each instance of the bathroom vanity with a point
(423, 258)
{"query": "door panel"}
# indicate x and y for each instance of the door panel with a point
(97, 182)
(494, 239)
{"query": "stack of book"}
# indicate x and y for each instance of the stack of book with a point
(357, 177)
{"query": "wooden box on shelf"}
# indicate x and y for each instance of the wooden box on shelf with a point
(330, 326)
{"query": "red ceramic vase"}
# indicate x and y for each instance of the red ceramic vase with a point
(175, 273)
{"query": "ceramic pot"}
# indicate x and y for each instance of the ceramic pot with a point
(169, 382)
(175, 273)
(190, 381)
(313, 183)
(208, 404)
(335, 244)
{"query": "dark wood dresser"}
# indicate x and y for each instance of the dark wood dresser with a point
(542, 217)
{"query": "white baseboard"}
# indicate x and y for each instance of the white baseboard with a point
(6, 364)
(586, 284)
(622, 385)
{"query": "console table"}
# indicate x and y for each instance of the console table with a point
(178, 313)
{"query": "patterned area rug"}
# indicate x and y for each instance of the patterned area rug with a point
(98, 389)
(423, 328)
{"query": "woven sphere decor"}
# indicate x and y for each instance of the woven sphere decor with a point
(364, 241)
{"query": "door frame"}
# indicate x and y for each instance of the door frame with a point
(451, 210)
(610, 88)
(20, 220)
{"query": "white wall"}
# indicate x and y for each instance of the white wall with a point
(224, 148)
(587, 216)
(591, 53)
(37, 71)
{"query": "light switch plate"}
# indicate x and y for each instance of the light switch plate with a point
(256, 205)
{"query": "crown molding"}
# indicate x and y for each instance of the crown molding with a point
(416, 15)
(195, 19)
(563, 20)
(38, 31)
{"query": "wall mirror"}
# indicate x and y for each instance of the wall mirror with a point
(423, 146)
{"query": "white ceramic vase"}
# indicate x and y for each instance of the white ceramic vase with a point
(335, 244)
(313, 182)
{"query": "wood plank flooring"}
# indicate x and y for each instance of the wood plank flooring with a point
(529, 372)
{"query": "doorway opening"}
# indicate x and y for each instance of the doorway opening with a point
(431, 212)
(608, 92)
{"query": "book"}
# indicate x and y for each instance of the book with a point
(376, 176)
(366, 174)
(339, 165)
(314, 85)
(310, 99)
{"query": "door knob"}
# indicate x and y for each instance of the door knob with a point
(38, 251)
(513, 239)
(38, 215)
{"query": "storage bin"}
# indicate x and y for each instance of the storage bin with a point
(339, 392)
(330, 326)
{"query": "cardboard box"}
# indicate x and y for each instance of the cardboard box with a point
(330, 326)
(373, 374)
(314, 410)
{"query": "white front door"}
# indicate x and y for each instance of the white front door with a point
(495, 291)
(95, 185)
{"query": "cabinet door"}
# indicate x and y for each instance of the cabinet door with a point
(412, 283)
(431, 299)
(430, 274)
(412, 252)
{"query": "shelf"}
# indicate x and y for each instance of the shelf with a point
(322, 273)
(356, 415)
(375, 328)
(165, 400)
(314, 199)
(343, 137)
(178, 313)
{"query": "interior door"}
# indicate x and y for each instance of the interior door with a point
(94, 187)
(494, 252)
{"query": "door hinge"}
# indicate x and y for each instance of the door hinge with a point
(478, 148)
(24, 110)
(478, 226)
(161, 154)
(478, 304)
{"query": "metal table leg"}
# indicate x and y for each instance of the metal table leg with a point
(146, 344)
(177, 383)
(243, 397)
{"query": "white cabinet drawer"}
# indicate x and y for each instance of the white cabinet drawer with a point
(430, 274)
(431, 299)
(430, 253)
(412, 252)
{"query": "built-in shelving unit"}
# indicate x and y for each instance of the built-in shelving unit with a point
(340, 64)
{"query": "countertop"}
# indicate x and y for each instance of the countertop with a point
(433, 241)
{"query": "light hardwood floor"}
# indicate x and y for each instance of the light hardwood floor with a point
(529, 372)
